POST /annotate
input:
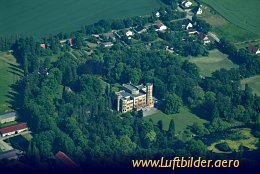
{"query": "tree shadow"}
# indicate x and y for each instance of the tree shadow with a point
(15, 73)
(15, 95)
(16, 68)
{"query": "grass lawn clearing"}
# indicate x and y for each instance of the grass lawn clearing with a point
(182, 120)
(247, 140)
(9, 74)
(214, 61)
(253, 82)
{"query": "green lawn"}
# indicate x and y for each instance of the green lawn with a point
(246, 139)
(9, 74)
(182, 120)
(240, 12)
(36, 17)
(226, 29)
(28, 136)
(215, 61)
(253, 82)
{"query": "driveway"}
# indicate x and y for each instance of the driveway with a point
(4, 146)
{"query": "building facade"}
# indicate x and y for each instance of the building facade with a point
(135, 97)
(13, 129)
(8, 117)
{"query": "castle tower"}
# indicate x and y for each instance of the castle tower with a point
(149, 95)
(118, 103)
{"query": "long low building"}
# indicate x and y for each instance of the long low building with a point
(11, 155)
(14, 129)
(8, 117)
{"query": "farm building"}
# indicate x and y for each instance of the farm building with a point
(8, 117)
(253, 49)
(204, 38)
(159, 26)
(187, 24)
(14, 129)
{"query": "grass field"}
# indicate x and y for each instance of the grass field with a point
(240, 12)
(36, 17)
(9, 74)
(215, 61)
(182, 120)
(247, 139)
(253, 82)
(225, 29)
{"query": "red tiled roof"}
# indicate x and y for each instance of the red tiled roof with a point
(159, 24)
(67, 160)
(13, 128)
(43, 46)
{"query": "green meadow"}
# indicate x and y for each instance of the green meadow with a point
(214, 61)
(253, 82)
(239, 12)
(9, 74)
(182, 120)
(36, 17)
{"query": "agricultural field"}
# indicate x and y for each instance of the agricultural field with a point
(238, 137)
(214, 61)
(9, 74)
(35, 17)
(182, 120)
(227, 29)
(240, 12)
(253, 82)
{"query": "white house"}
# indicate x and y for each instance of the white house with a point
(128, 32)
(159, 26)
(199, 11)
(157, 14)
(186, 24)
(204, 38)
(186, 4)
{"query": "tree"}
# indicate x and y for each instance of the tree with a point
(196, 148)
(172, 104)
(171, 130)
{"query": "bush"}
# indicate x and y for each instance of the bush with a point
(223, 147)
